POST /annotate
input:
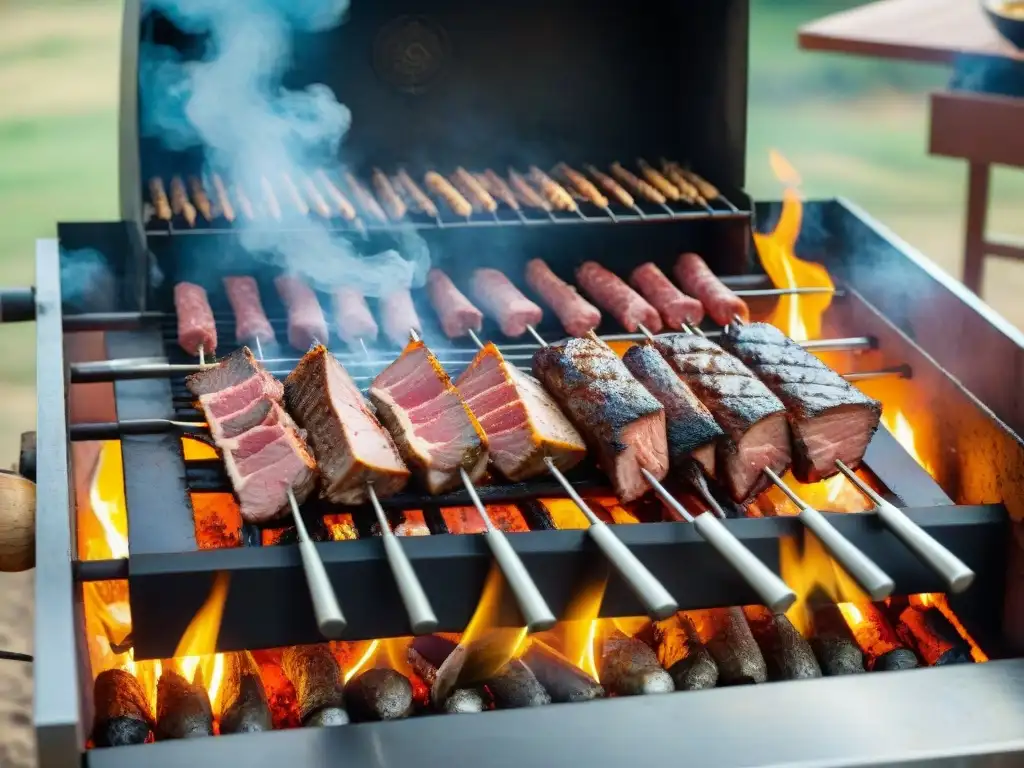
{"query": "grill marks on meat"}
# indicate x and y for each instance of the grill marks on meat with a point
(693, 432)
(503, 302)
(578, 316)
(351, 447)
(250, 320)
(612, 294)
(435, 431)
(829, 417)
(522, 423)
(623, 423)
(457, 314)
(196, 327)
(751, 416)
(306, 323)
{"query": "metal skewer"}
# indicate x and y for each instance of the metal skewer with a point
(534, 609)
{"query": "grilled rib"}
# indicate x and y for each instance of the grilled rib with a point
(829, 417)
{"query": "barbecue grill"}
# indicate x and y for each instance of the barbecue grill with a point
(452, 85)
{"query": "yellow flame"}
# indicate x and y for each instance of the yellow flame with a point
(901, 428)
(851, 613)
(106, 500)
(196, 649)
(810, 571)
(364, 661)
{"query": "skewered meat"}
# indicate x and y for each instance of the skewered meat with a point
(416, 195)
(675, 306)
(435, 431)
(522, 423)
(527, 195)
(578, 316)
(352, 317)
(786, 652)
(245, 706)
(244, 203)
(441, 187)
(306, 322)
(199, 198)
(553, 192)
(316, 199)
(298, 202)
(474, 191)
(342, 203)
(398, 314)
(196, 326)
(829, 417)
(611, 293)
(752, 417)
(389, 198)
(611, 186)
(457, 314)
(251, 321)
(270, 198)
(180, 204)
(636, 184)
(240, 368)
(675, 174)
(705, 188)
(629, 667)
(583, 185)
(622, 421)
(319, 690)
(503, 302)
(692, 430)
(263, 412)
(697, 279)
(122, 714)
(659, 182)
(351, 448)
(158, 196)
(182, 708)
(363, 198)
(498, 188)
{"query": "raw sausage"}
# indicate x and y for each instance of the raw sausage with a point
(398, 315)
(352, 317)
(503, 302)
(456, 313)
(306, 323)
(609, 292)
(696, 277)
(250, 320)
(196, 327)
(675, 306)
(576, 313)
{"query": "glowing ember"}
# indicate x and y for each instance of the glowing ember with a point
(798, 316)
(940, 602)
(195, 650)
(364, 661)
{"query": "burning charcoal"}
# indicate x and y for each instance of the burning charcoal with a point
(122, 711)
(876, 637)
(182, 708)
(834, 644)
(929, 632)
(379, 694)
(246, 709)
(513, 685)
(894, 660)
(786, 651)
(727, 636)
(316, 676)
(562, 679)
(516, 686)
(426, 654)
(680, 651)
(630, 668)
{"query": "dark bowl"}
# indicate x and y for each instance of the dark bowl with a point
(1010, 27)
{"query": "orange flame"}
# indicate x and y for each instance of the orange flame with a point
(196, 649)
(901, 428)
(797, 316)
(939, 602)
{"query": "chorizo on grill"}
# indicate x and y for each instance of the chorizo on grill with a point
(503, 302)
(697, 279)
(610, 292)
(578, 316)
(675, 306)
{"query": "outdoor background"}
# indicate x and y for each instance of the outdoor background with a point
(853, 128)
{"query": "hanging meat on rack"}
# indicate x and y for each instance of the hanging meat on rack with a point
(197, 329)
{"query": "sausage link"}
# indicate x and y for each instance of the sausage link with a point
(498, 188)
(582, 184)
(398, 314)
(294, 195)
(342, 203)
(676, 307)
(610, 292)
(611, 186)
(690, 193)
(526, 194)
(457, 314)
(552, 190)
(638, 185)
(663, 185)
(180, 203)
(419, 198)
(387, 195)
(199, 198)
(697, 279)
(473, 190)
(364, 199)
(270, 198)
(158, 196)
(316, 200)
(502, 301)
(577, 315)
(352, 317)
(227, 210)
(441, 187)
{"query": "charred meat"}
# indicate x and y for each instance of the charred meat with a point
(830, 418)
(622, 421)
(522, 423)
(236, 369)
(751, 416)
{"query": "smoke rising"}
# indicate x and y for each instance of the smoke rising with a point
(233, 105)
(86, 281)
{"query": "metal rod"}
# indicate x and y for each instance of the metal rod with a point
(772, 590)
(757, 293)
(863, 569)
(656, 600)
(422, 618)
(950, 567)
(532, 605)
(329, 618)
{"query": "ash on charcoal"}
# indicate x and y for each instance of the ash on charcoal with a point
(727, 636)
(122, 711)
(182, 708)
(833, 644)
(681, 652)
(379, 694)
(246, 709)
(629, 667)
(786, 652)
(316, 676)
(516, 686)
(511, 686)
(562, 679)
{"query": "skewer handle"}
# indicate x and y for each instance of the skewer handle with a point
(329, 618)
(869, 576)
(770, 588)
(656, 599)
(951, 568)
(531, 602)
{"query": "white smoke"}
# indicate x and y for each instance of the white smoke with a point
(233, 104)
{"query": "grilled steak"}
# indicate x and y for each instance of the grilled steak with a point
(829, 417)
(263, 464)
(693, 432)
(436, 432)
(351, 447)
(620, 419)
(752, 417)
(263, 412)
(522, 423)
(237, 368)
